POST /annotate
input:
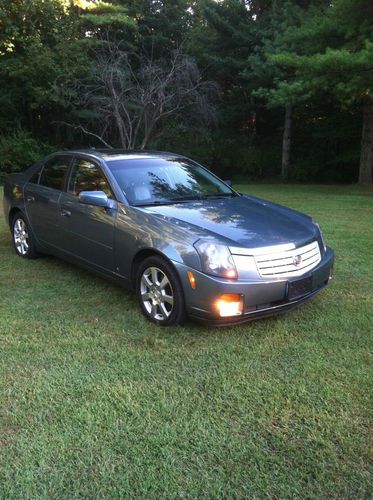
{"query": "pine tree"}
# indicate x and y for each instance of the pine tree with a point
(331, 54)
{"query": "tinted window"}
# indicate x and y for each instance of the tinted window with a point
(35, 177)
(54, 172)
(86, 176)
(157, 180)
(33, 172)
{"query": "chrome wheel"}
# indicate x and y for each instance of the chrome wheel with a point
(21, 236)
(156, 293)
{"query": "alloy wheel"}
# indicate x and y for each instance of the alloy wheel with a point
(21, 236)
(156, 293)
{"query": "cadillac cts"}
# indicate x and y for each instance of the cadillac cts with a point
(188, 243)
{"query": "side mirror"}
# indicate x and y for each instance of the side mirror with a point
(96, 198)
(228, 182)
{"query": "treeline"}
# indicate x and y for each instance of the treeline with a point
(256, 88)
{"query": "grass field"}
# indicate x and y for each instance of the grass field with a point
(96, 402)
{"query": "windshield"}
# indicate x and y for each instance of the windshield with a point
(153, 181)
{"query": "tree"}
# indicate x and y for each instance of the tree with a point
(265, 77)
(221, 39)
(27, 33)
(332, 55)
(237, 44)
(162, 24)
(130, 95)
(297, 68)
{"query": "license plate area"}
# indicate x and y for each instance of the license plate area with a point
(298, 288)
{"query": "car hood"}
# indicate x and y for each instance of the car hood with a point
(244, 221)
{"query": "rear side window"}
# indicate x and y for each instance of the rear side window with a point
(54, 173)
(87, 176)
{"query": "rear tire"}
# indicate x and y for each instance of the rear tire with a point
(23, 240)
(159, 292)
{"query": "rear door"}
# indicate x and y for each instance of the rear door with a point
(42, 195)
(87, 230)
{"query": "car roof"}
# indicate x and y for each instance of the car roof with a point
(122, 154)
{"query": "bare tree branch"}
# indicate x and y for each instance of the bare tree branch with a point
(130, 95)
(87, 132)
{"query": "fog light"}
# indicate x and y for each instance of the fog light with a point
(230, 304)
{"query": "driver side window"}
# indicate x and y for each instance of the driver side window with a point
(86, 176)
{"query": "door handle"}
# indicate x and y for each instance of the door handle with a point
(65, 213)
(30, 198)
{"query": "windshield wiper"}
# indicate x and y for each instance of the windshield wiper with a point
(151, 203)
(182, 199)
(173, 201)
(220, 195)
(204, 197)
(186, 198)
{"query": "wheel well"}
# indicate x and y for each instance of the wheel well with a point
(12, 213)
(142, 255)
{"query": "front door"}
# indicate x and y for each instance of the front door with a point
(87, 230)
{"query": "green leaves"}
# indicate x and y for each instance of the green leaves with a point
(315, 55)
(20, 150)
(330, 52)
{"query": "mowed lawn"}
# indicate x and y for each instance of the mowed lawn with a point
(96, 402)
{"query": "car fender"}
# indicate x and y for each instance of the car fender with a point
(137, 233)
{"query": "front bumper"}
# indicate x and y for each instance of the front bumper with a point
(262, 297)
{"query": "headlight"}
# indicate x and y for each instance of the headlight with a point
(216, 259)
(321, 234)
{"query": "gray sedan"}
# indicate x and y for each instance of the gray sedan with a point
(189, 244)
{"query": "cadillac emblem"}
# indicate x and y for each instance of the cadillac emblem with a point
(297, 260)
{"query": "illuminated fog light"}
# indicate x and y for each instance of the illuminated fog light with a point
(230, 305)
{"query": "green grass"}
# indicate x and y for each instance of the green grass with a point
(97, 402)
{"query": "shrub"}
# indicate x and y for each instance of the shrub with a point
(20, 150)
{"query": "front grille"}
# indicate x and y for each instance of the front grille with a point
(283, 264)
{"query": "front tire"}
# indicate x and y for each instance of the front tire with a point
(23, 241)
(159, 292)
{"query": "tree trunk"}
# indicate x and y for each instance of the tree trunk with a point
(120, 127)
(286, 142)
(252, 122)
(366, 155)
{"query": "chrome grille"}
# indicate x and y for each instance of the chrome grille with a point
(283, 264)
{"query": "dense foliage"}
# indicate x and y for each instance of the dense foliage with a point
(258, 88)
